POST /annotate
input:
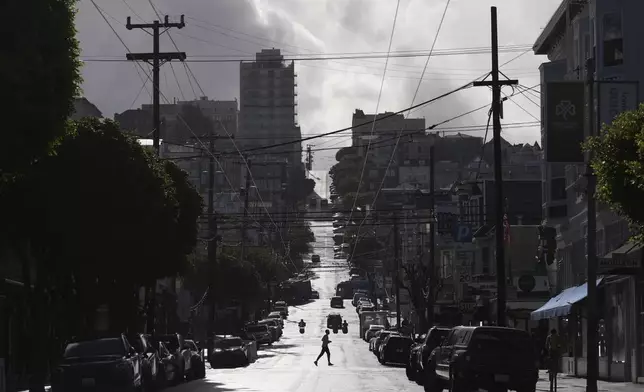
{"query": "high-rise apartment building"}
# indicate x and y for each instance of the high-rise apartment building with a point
(267, 88)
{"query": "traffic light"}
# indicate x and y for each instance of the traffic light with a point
(548, 238)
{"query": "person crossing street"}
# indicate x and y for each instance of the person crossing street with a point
(325, 349)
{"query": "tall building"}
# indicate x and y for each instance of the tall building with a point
(268, 114)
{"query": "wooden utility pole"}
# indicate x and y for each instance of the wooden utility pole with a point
(154, 59)
(496, 85)
(431, 268)
(397, 266)
(246, 202)
(591, 335)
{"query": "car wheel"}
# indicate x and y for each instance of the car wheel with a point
(454, 383)
(161, 377)
(410, 373)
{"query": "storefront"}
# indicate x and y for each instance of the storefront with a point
(621, 318)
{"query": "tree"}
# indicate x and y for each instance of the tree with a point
(41, 70)
(618, 162)
(111, 217)
(299, 187)
(189, 209)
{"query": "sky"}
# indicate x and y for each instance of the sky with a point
(329, 91)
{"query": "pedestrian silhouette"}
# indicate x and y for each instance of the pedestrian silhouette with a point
(325, 349)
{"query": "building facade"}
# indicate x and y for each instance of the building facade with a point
(608, 32)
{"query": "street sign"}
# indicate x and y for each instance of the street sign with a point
(466, 307)
(462, 233)
(388, 282)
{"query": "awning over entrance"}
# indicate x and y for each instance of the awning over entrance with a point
(561, 304)
(625, 260)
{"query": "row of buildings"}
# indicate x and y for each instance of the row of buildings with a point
(546, 222)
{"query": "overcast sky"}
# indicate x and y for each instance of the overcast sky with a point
(328, 91)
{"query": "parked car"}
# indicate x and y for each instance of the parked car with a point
(281, 307)
(107, 363)
(273, 326)
(371, 332)
(182, 356)
(487, 357)
(315, 258)
(381, 336)
(358, 296)
(276, 316)
(150, 361)
(433, 339)
(168, 366)
(315, 295)
(337, 302)
(197, 363)
(229, 352)
(411, 367)
(260, 333)
(395, 349)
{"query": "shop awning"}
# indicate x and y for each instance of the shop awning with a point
(561, 304)
(625, 260)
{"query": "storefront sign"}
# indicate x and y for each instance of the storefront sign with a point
(565, 103)
(620, 261)
(616, 97)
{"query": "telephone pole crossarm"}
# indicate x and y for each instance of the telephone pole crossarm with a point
(149, 57)
(490, 83)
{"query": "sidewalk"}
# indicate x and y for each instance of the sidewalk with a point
(567, 383)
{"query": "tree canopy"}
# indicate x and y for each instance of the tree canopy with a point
(618, 162)
(41, 70)
(110, 210)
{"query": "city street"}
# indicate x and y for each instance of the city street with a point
(288, 366)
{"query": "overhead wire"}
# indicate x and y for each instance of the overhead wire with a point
(393, 153)
(101, 12)
(373, 123)
(249, 172)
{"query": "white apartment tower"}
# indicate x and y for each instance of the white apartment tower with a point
(267, 88)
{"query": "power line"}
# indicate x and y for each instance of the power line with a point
(330, 56)
(393, 153)
(373, 123)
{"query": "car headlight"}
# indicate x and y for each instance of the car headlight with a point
(217, 350)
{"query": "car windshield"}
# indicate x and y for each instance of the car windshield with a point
(228, 343)
(171, 342)
(256, 328)
(502, 339)
(268, 322)
(399, 342)
(92, 348)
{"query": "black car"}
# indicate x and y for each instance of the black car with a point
(150, 362)
(334, 321)
(108, 363)
(197, 365)
(490, 358)
(395, 349)
(337, 302)
(418, 358)
(229, 352)
(176, 345)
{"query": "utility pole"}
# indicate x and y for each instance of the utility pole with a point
(154, 59)
(309, 157)
(245, 216)
(397, 264)
(212, 241)
(591, 335)
(432, 239)
(496, 85)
